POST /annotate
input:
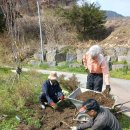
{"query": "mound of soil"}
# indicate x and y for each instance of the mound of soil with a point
(102, 100)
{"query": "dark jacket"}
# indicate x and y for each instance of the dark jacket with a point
(104, 120)
(52, 92)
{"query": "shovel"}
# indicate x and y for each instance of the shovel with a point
(57, 104)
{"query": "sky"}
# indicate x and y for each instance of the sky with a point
(119, 6)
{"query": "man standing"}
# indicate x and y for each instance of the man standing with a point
(96, 66)
(51, 91)
(100, 118)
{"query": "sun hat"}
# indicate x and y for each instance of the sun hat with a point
(52, 76)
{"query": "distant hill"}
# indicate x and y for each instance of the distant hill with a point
(112, 14)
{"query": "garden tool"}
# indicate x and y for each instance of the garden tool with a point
(62, 122)
(60, 102)
(57, 104)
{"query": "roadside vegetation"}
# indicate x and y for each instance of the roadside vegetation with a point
(15, 93)
(120, 73)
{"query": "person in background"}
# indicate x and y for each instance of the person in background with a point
(100, 118)
(97, 68)
(51, 91)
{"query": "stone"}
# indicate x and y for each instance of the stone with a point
(119, 66)
(80, 54)
(122, 58)
(50, 56)
(34, 62)
(71, 57)
(128, 59)
(38, 55)
(121, 51)
(75, 65)
(112, 53)
(60, 57)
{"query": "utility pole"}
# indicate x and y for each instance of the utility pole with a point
(40, 32)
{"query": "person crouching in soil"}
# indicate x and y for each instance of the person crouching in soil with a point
(100, 118)
(97, 68)
(51, 91)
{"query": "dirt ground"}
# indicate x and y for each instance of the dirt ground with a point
(51, 119)
(102, 100)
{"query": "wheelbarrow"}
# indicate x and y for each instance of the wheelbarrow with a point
(78, 103)
(78, 91)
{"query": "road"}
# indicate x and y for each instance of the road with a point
(119, 87)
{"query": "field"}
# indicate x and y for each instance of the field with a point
(20, 108)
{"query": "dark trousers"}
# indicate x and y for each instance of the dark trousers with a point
(94, 81)
(43, 99)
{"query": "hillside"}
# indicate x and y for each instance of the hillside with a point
(59, 34)
(112, 14)
(119, 34)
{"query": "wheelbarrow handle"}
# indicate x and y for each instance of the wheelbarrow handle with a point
(122, 111)
(121, 104)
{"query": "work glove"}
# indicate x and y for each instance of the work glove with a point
(108, 88)
(62, 97)
(107, 91)
(73, 128)
(53, 105)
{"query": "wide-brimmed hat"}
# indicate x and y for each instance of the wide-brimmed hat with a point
(52, 76)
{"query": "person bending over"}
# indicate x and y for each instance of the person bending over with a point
(51, 91)
(100, 118)
(97, 68)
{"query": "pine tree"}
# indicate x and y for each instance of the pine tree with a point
(88, 19)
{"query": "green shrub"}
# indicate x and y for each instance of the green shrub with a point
(69, 84)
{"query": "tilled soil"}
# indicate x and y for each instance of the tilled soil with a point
(51, 119)
(102, 100)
